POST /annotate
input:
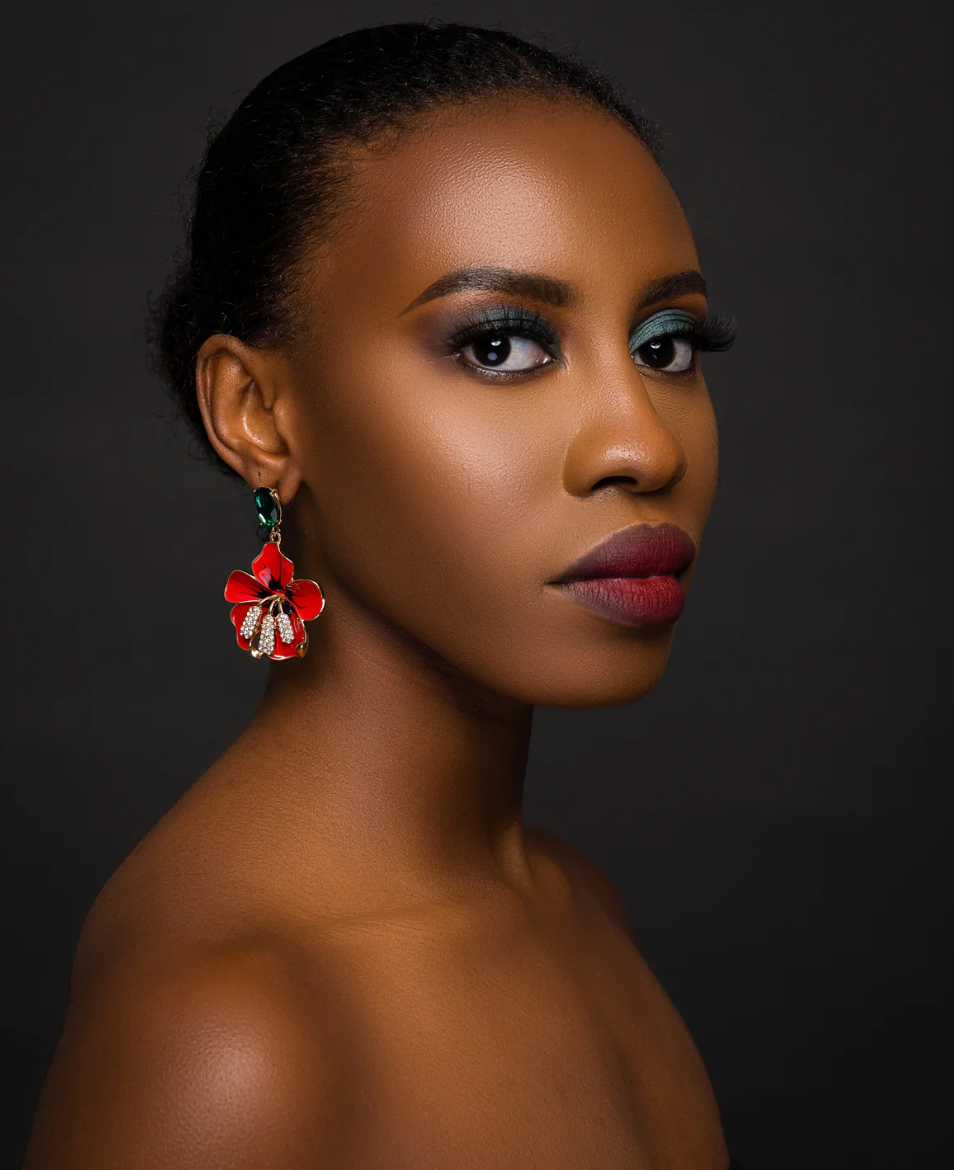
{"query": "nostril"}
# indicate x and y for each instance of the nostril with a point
(628, 482)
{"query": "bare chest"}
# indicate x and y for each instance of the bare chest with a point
(519, 1053)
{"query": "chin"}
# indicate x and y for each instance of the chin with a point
(602, 675)
(600, 692)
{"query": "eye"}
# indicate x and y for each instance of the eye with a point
(671, 354)
(505, 351)
(667, 341)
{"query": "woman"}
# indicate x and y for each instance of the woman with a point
(443, 310)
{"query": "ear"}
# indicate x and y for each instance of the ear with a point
(241, 392)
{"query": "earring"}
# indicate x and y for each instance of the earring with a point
(271, 608)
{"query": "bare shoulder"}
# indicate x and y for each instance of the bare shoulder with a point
(583, 874)
(187, 1056)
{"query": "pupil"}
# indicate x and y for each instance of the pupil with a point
(660, 353)
(492, 351)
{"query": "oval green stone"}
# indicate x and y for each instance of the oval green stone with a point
(268, 507)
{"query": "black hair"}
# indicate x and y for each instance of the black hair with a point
(273, 177)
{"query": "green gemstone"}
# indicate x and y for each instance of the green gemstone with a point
(269, 510)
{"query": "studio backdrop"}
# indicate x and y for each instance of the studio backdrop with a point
(774, 814)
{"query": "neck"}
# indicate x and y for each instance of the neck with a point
(403, 770)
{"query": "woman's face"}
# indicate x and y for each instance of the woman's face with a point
(493, 383)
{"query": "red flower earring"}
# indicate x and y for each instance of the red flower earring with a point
(271, 608)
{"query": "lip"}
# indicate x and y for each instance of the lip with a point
(632, 576)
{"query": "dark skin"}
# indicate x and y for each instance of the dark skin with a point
(343, 948)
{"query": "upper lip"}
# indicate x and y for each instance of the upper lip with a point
(643, 550)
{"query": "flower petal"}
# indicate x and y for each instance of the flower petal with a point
(237, 615)
(272, 569)
(243, 587)
(284, 649)
(307, 598)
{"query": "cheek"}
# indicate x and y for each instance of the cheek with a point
(430, 486)
(441, 507)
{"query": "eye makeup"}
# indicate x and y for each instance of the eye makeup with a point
(713, 332)
(503, 319)
(507, 320)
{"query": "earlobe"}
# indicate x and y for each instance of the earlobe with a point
(238, 388)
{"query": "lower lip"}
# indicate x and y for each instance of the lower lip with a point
(634, 601)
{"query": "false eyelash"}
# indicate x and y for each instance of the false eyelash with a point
(716, 332)
(505, 319)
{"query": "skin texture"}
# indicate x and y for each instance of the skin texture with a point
(342, 948)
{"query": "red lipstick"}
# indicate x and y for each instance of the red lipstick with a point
(632, 576)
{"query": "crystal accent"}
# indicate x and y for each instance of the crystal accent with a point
(268, 508)
(250, 624)
(285, 628)
(266, 636)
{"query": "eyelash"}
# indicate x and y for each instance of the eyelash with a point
(508, 321)
(716, 332)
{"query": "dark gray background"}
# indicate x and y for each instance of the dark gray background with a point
(774, 814)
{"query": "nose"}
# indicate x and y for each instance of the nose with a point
(623, 441)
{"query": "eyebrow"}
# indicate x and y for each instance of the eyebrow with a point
(676, 285)
(545, 288)
(501, 280)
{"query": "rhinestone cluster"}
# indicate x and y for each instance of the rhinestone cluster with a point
(266, 637)
(285, 628)
(267, 624)
(250, 625)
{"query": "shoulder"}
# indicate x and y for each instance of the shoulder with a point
(213, 1057)
(583, 875)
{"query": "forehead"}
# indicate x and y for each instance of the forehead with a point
(550, 187)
